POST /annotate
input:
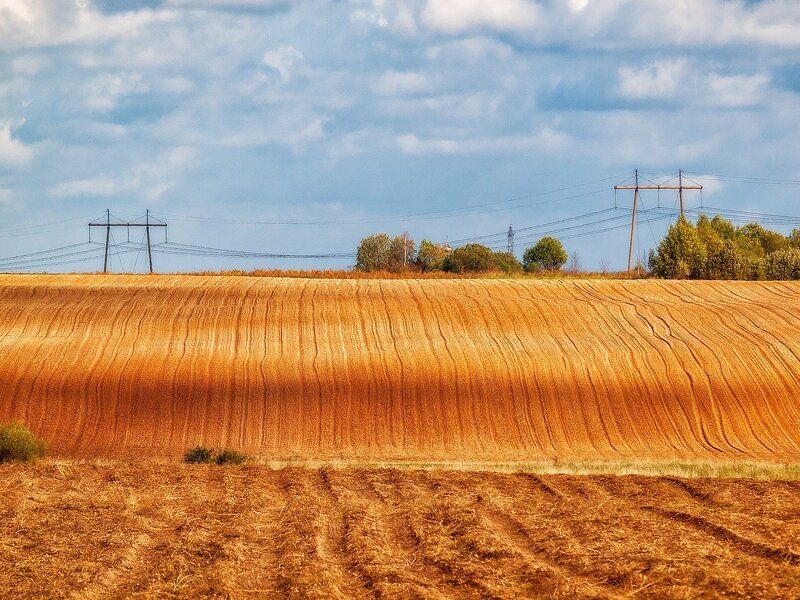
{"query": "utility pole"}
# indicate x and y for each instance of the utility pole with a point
(633, 216)
(510, 243)
(149, 250)
(636, 187)
(108, 235)
(148, 224)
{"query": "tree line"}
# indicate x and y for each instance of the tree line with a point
(712, 248)
(715, 248)
(381, 252)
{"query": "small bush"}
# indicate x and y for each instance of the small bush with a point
(230, 457)
(547, 254)
(507, 262)
(198, 454)
(18, 443)
(783, 264)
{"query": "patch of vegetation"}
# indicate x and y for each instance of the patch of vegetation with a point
(204, 455)
(380, 253)
(230, 457)
(718, 249)
(546, 255)
(17, 443)
(198, 454)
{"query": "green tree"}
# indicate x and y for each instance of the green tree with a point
(430, 256)
(472, 258)
(770, 241)
(507, 262)
(709, 234)
(783, 264)
(373, 253)
(400, 254)
(724, 228)
(548, 254)
(794, 238)
(680, 254)
(728, 262)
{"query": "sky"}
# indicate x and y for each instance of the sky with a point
(312, 124)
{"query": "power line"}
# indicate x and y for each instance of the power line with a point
(196, 250)
(529, 227)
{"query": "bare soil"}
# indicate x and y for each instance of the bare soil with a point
(88, 529)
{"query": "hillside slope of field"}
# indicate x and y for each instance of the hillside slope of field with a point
(456, 370)
(154, 530)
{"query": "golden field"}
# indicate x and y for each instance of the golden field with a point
(406, 370)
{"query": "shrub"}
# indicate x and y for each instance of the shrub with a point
(507, 262)
(547, 254)
(728, 262)
(681, 254)
(198, 454)
(431, 256)
(373, 253)
(400, 254)
(230, 457)
(18, 443)
(379, 252)
(472, 258)
(783, 264)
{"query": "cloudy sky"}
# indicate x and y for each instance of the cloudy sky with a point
(446, 118)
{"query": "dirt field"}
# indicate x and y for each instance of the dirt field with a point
(463, 370)
(114, 530)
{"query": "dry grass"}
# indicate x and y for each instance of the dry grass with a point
(116, 529)
(412, 274)
(688, 469)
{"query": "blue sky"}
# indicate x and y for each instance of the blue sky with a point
(352, 115)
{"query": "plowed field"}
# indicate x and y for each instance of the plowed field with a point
(139, 530)
(460, 370)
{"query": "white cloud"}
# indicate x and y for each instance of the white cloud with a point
(105, 91)
(230, 4)
(623, 23)
(738, 90)
(153, 178)
(545, 141)
(680, 81)
(12, 151)
(286, 60)
(657, 80)
(5, 196)
(43, 23)
(399, 16)
(458, 107)
(471, 49)
(457, 16)
(395, 83)
(93, 186)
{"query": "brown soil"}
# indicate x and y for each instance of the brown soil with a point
(112, 530)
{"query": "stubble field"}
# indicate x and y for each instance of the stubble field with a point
(156, 530)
